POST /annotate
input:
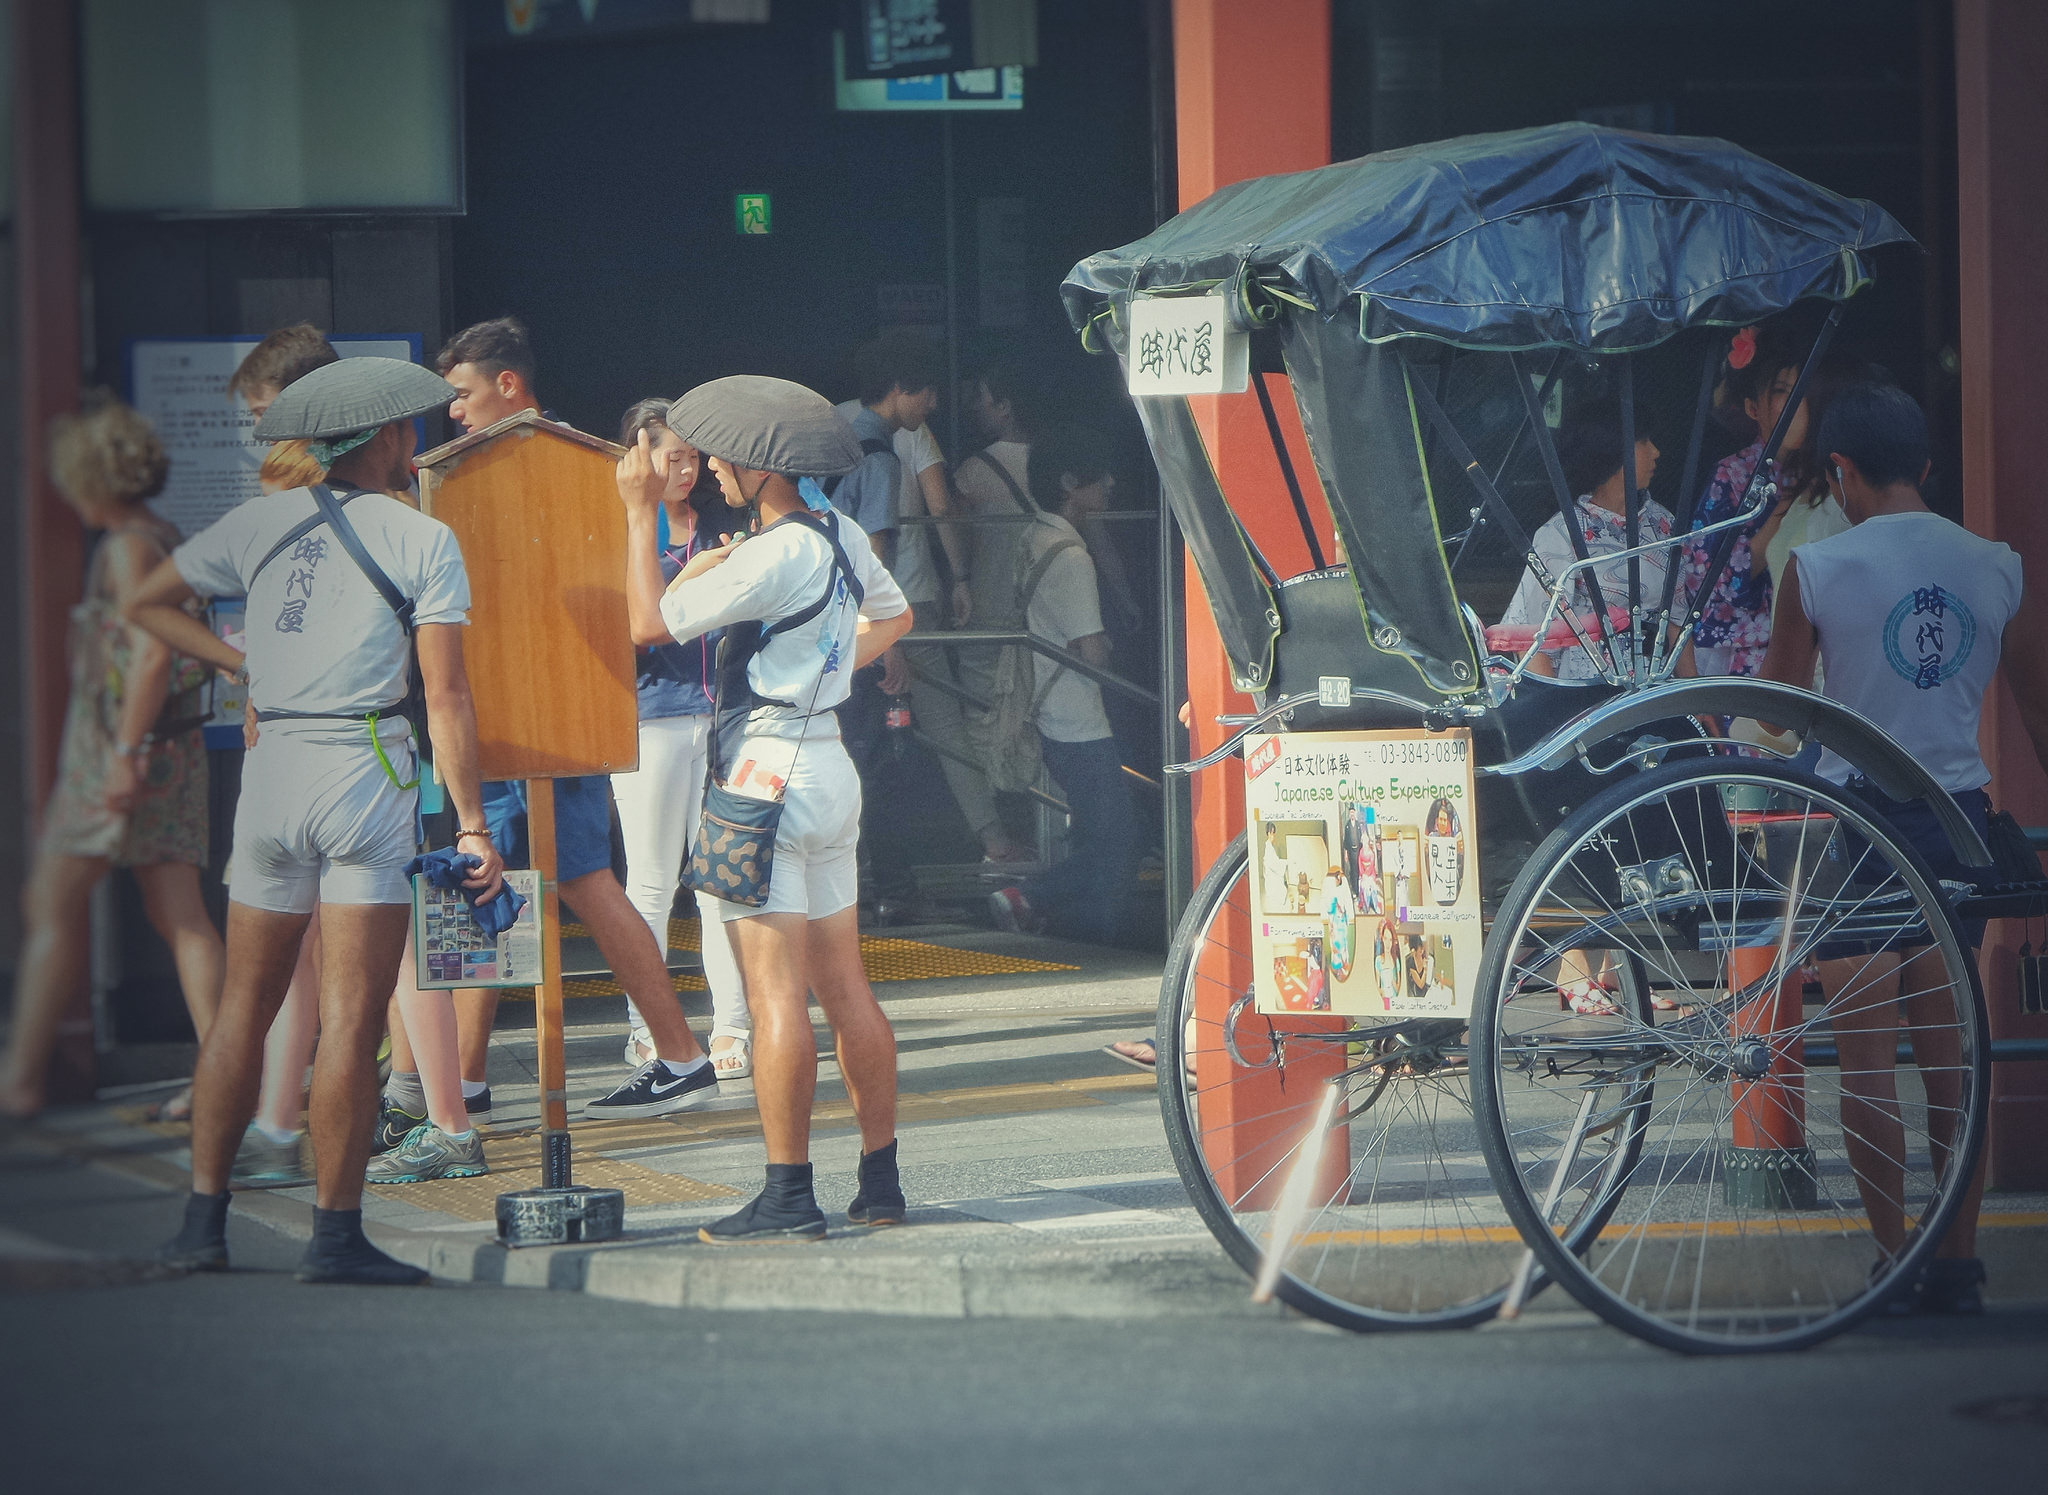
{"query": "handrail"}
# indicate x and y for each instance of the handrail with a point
(1112, 516)
(997, 637)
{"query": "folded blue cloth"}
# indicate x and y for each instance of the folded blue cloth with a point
(447, 869)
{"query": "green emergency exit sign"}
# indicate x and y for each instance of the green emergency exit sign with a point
(752, 213)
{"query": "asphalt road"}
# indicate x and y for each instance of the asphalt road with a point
(253, 1382)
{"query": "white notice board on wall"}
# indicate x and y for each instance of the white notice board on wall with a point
(181, 384)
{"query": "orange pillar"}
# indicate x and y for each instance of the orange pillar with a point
(1251, 98)
(2001, 118)
(51, 545)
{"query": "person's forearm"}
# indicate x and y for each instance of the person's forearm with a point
(876, 636)
(143, 692)
(451, 719)
(643, 578)
(185, 634)
(938, 499)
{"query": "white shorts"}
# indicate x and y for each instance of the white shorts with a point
(817, 843)
(319, 821)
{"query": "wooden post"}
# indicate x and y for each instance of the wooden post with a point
(553, 1059)
(2001, 116)
(535, 508)
(50, 545)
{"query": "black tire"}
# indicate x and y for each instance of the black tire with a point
(1430, 1250)
(1744, 1224)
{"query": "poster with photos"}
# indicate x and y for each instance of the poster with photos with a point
(449, 949)
(1365, 878)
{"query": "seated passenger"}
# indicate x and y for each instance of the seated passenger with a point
(1588, 449)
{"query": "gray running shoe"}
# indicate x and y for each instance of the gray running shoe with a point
(428, 1153)
(260, 1161)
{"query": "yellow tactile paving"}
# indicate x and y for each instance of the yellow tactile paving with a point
(885, 959)
(515, 1164)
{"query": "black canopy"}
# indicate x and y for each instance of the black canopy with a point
(1569, 236)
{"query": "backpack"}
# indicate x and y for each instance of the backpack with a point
(1012, 756)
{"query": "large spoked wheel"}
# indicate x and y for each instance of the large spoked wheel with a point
(1345, 1144)
(1810, 1087)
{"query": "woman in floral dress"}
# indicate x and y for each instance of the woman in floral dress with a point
(132, 776)
(1734, 631)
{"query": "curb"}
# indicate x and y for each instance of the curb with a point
(947, 1283)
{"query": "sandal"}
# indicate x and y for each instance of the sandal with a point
(177, 1109)
(1588, 998)
(737, 1062)
(1139, 1053)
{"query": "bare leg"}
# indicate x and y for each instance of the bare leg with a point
(773, 951)
(1863, 1010)
(427, 1020)
(635, 958)
(288, 1047)
(170, 896)
(55, 955)
(866, 1042)
(1938, 1051)
(362, 946)
(476, 1009)
(264, 947)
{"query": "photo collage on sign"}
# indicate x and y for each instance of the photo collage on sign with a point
(452, 951)
(1369, 905)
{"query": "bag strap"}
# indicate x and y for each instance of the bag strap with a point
(841, 565)
(345, 532)
(1016, 489)
(1031, 582)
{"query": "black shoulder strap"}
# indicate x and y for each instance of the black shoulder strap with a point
(345, 532)
(292, 536)
(1016, 489)
(841, 565)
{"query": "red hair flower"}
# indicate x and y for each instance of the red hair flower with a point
(1742, 349)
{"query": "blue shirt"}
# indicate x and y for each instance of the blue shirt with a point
(867, 495)
(676, 679)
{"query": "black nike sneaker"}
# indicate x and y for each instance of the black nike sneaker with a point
(654, 1091)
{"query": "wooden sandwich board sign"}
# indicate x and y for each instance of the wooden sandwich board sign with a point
(549, 652)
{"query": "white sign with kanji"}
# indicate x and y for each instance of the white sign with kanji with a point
(1186, 345)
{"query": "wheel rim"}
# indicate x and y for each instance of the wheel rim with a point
(1755, 1213)
(1415, 1236)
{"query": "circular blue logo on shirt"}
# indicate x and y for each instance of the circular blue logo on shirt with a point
(1928, 636)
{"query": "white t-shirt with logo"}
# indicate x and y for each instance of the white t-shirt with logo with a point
(1911, 610)
(915, 451)
(781, 571)
(1065, 606)
(321, 639)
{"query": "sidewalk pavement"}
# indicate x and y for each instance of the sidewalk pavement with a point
(1036, 1164)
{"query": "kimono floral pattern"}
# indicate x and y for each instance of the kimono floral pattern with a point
(1735, 628)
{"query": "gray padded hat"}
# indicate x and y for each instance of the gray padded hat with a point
(770, 425)
(355, 394)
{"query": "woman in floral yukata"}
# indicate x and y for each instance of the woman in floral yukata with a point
(1735, 629)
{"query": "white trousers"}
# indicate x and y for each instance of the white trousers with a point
(659, 803)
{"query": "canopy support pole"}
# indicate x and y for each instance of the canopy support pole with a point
(1567, 505)
(1514, 450)
(1633, 514)
(1688, 501)
(1308, 526)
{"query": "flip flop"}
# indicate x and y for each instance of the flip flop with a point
(1149, 1061)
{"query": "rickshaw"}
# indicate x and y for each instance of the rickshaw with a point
(1684, 1165)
